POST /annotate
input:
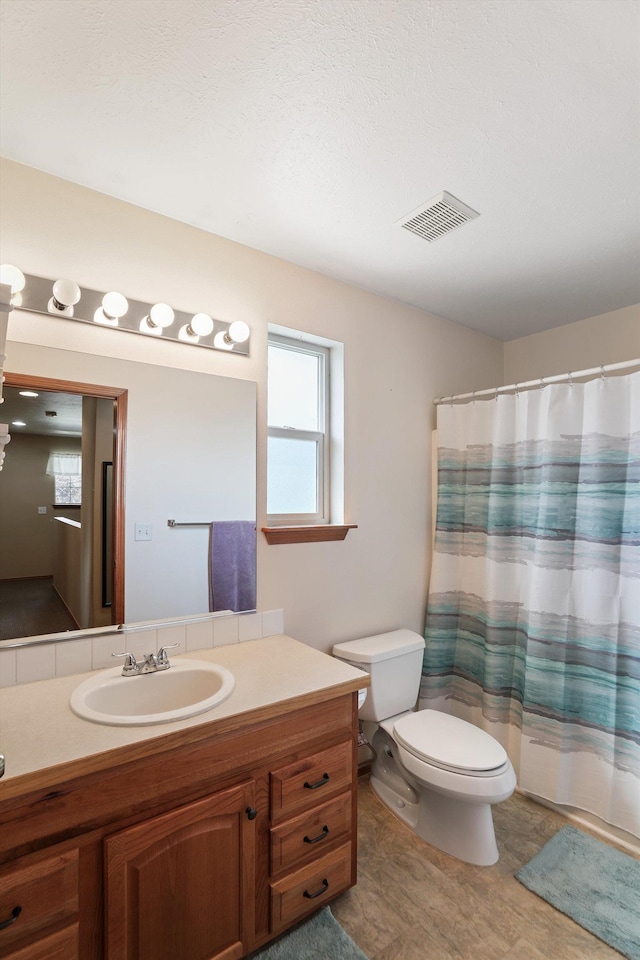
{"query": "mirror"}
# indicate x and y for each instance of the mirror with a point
(190, 457)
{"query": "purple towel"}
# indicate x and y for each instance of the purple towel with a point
(232, 565)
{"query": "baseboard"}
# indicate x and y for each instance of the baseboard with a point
(608, 832)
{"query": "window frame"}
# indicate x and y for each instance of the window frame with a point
(321, 437)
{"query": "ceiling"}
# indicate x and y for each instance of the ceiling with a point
(32, 411)
(309, 128)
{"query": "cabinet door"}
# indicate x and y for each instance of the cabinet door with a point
(181, 885)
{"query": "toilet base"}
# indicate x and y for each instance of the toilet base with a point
(463, 830)
(460, 827)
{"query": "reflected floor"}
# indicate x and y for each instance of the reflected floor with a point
(29, 608)
(413, 902)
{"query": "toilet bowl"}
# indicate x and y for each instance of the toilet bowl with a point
(439, 774)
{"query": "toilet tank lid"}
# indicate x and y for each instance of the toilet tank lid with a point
(382, 646)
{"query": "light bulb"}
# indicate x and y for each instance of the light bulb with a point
(114, 306)
(12, 276)
(28, 393)
(66, 293)
(238, 332)
(222, 341)
(160, 316)
(200, 325)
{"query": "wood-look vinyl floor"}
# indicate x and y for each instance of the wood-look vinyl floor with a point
(413, 902)
(30, 608)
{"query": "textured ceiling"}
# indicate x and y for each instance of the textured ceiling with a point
(36, 412)
(308, 128)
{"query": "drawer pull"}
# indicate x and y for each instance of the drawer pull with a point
(252, 813)
(321, 836)
(318, 893)
(318, 783)
(15, 913)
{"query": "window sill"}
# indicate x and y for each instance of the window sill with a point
(308, 534)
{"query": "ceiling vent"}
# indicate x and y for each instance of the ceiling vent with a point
(440, 215)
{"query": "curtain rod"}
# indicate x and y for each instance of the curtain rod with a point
(540, 382)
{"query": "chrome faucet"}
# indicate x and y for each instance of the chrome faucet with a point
(151, 662)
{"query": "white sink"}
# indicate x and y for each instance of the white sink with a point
(187, 688)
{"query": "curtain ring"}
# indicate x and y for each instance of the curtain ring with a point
(496, 394)
(474, 397)
(517, 390)
(602, 371)
(570, 376)
(542, 383)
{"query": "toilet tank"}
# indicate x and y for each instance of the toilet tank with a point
(394, 662)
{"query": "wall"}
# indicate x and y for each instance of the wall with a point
(608, 338)
(25, 487)
(397, 359)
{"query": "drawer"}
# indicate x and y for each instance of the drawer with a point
(302, 784)
(46, 890)
(62, 945)
(304, 837)
(310, 887)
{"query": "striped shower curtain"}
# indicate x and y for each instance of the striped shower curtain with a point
(533, 621)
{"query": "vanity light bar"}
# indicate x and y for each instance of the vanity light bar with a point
(64, 298)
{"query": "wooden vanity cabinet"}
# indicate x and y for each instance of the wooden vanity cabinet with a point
(203, 845)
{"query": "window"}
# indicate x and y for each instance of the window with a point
(66, 470)
(298, 441)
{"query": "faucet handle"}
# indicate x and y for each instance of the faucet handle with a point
(130, 663)
(162, 652)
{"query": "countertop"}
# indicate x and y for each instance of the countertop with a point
(40, 736)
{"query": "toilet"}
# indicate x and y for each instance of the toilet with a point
(437, 773)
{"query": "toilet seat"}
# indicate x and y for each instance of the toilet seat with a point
(452, 744)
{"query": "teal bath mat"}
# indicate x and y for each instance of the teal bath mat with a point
(319, 938)
(591, 882)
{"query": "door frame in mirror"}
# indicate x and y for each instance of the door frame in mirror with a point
(119, 396)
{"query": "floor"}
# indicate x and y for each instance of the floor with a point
(413, 902)
(30, 608)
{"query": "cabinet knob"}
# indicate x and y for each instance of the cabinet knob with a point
(252, 813)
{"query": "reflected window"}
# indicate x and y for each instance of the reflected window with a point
(66, 470)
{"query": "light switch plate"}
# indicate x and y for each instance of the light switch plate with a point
(143, 531)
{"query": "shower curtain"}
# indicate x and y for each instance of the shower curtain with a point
(533, 620)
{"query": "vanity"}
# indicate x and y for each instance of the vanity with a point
(202, 838)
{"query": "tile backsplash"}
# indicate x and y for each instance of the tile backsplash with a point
(57, 657)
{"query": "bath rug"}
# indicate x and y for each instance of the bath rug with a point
(591, 882)
(319, 938)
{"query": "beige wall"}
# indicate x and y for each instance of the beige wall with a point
(396, 360)
(24, 487)
(608, 338)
